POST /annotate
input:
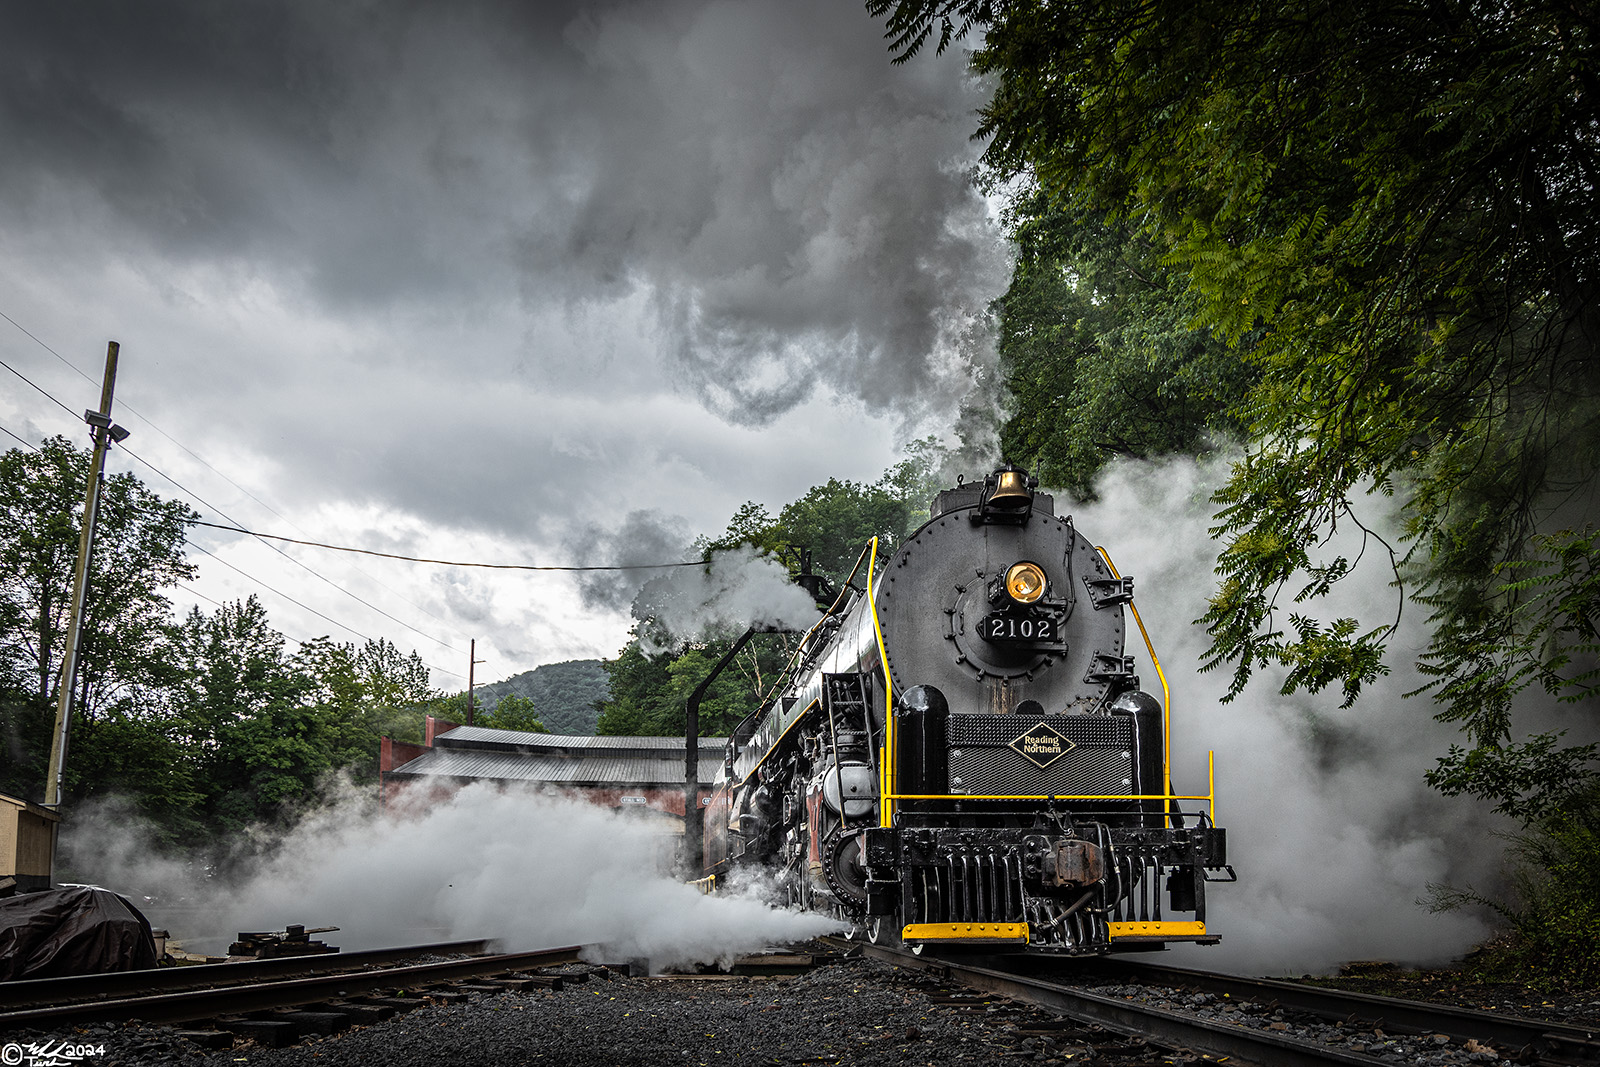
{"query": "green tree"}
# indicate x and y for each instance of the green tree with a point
(834, 522)
(513, 712)
(364, 693)
(1387, 208)
(138, 554)
(254, 736)
(650, 694)
(640, 686)
(1099, 356)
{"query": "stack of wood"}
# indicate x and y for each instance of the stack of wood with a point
(294, 940)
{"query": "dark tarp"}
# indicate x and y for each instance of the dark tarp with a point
(61, 932)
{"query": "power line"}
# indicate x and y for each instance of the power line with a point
(276, 592)
(40, 388)
(20, 440)
(47, 348)
(199, 499)
(198, 458)
(458, 563)
(192, 591)
(230, 566)
(290, 599)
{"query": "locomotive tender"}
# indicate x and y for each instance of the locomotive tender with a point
(961, 753)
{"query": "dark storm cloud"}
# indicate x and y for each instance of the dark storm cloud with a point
(795, 209)
(642, 540)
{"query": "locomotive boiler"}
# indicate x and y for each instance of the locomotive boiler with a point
(961, 752)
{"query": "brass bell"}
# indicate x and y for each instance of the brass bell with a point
(1011, 491)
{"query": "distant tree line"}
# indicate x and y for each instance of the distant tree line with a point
(208, 722)
(827, 527)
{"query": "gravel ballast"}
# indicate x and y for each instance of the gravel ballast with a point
(855, 1011)
(846, 1011)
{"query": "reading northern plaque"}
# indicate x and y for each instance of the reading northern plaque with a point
(1043, 745)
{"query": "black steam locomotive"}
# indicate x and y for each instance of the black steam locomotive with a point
(962, 755)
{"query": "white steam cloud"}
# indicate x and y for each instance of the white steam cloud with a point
(534, 871)
(739, 588)
(1333, 832)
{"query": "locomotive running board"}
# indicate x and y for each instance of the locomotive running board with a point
(1141, 932)
(966, 933)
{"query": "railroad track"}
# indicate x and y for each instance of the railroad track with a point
(1338, 1005)
(1309, 1025)
(234, 995)
(38, 992)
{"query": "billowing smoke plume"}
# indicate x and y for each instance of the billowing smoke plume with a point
(1334, 834)
(787, 206)
(737, 589)
(644, 540)
(533, 871)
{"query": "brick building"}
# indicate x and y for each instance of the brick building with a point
(625, 773)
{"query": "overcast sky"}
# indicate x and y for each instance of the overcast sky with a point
(523, 282)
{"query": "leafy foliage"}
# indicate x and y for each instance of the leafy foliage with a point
(367, 692)
(1543, 636)
(1384, 209)
(246, 725)
(513, 712)
(650, 693)
(208, 723)
(831, 522)
(138, 553)
(1554, 913)
(1098, 353)
(564, 694)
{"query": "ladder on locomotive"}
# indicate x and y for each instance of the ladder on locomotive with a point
(844, 704)
(844, 701)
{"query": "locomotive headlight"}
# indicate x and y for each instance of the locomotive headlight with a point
(1025, 582)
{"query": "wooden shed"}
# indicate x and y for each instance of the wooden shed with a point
(27, 845)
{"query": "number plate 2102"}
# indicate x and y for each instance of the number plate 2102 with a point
(1002, 628)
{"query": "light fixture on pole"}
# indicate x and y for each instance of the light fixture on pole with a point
(104, 432)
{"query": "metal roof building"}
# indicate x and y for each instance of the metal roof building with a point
(610, 771)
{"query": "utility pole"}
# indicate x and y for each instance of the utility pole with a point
(104, 433)
(472, 661)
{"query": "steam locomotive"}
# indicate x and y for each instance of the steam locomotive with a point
(961, 753)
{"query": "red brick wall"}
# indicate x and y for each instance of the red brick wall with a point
(432, 728)
(392, 753)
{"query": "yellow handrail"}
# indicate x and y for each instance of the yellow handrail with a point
(1166, 693)
(1046, 796)
(1211, 777)
(886, 785)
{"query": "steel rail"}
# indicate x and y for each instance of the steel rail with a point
(56, 991)
(260, 996)
(1168, 1028)
(1340, 1004)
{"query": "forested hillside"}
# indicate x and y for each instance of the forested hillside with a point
(564, 695)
